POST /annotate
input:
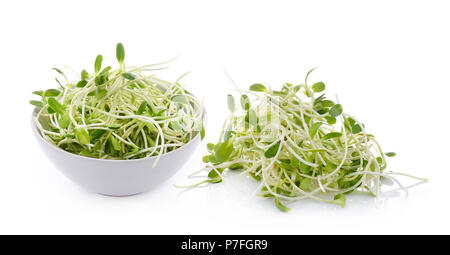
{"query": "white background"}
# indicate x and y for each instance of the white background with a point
(389, 62)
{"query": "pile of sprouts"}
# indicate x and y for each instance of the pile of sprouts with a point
(126, 113)
(298, 144)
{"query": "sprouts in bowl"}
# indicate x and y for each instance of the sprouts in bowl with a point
(118, 132)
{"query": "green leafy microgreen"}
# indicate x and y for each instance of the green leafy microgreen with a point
(340, 200)
(227, 133)
(356, 129)
(235, 166)
(82, 136)
(330, 120)
(64, 120)
(304, 168)
(37, 103)
(335, 111)
(318, 87)
(100, 79)
(326, 103)
(81, 83)
(120, 53)
(115, 144)
(332, 135)
(314, 129)
(210, 147)
(182, 99)
(56, 106)
(245, 102)
(305, 183)
(224, 151)
(84, 75)
(258, 87)
(129, 76)
(100, 93)
(141, 108)
(38, 92)
(230, 103)
(272, 151)
(52, 93)
(98, 63)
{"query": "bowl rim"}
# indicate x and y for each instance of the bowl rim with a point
(37, 134)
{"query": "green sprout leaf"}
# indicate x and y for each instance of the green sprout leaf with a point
(230, 103)
(251, 117)
(340, 200)
(82, 136)
(258, 87)
(100, 79)
(336, 110)
(223, 151)
(81, 83)
(272, 151)
(210, 147)
(245, 102)
(120, 53)
(326, 103)
(305, 169)
(356, 129)
(84, 75)
(332, 135)
(38, 92)
(129, 76)
(141, 108)
(52, 93)
(205, 159)
(37, 103)
(390, 154)
(115, 143)
(213, 173)
(330, 120)
(227, 133)
(56, 106)
(98, 63)
(350, 121)
(318, 87)
(236, 166)
(100, 93)
(314, 129)
(305, 183)
(105, 71)
(64, 120)
(182, 99)
(256, 177)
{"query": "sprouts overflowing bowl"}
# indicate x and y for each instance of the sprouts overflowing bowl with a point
(298, 144)
(123, 113)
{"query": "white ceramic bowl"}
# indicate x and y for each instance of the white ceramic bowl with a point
(117, 177)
